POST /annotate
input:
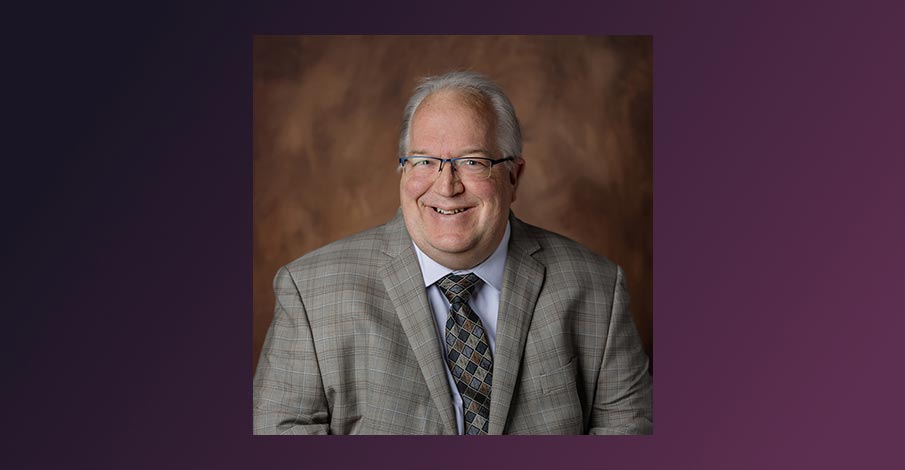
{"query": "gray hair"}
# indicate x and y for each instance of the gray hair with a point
(508, 132)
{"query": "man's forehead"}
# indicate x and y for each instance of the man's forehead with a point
(453, 122)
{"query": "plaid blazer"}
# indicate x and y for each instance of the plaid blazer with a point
(353, 349)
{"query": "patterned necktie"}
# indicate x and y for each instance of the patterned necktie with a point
(468, 352)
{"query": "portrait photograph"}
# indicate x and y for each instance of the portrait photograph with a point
(453, 235)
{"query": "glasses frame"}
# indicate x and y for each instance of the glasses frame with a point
(452, 165)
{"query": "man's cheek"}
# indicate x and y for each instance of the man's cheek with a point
(412, 190)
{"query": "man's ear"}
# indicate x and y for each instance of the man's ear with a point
(516, 174)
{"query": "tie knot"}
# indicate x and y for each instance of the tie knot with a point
(458, 288)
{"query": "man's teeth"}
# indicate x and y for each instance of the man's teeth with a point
(441, 211)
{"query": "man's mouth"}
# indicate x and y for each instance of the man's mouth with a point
(450, 212)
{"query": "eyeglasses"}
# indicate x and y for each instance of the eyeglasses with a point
(471, 168)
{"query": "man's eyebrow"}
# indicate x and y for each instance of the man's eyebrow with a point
(474, 151)
(470, 151)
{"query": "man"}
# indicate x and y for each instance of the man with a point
(454, 317)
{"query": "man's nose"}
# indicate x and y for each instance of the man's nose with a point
(448, 182)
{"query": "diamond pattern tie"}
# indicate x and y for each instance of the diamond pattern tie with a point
(468, 352)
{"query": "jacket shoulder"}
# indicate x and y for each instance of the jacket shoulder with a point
(562, 254)
(358, 254)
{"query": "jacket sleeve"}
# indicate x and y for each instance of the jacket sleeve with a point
(623, 401)
(288, 392)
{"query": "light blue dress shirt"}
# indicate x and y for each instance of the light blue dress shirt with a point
(484, 301)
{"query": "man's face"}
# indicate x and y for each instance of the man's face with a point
(446, 125)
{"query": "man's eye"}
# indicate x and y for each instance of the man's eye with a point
(420, 162)
(474, 163)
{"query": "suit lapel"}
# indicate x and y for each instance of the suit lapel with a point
(522, 281)
(404, 284)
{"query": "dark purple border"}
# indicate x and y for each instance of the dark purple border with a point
(779, 236)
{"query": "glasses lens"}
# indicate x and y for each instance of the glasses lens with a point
(474, 168)
(422, 165)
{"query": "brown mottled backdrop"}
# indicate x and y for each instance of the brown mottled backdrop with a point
(326, 121)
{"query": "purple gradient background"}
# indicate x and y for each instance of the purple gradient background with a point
(779, 235)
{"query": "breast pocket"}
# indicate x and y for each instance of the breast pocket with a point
(560, 379)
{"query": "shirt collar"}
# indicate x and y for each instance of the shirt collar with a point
(490, 270)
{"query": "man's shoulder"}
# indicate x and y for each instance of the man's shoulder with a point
(365, 244)
(360, 253)
(559, 252)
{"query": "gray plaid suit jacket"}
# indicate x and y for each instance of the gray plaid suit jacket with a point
(353, 348)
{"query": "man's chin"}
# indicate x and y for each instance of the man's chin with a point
(452, 248)
(451, 244)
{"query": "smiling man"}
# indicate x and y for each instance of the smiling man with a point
(456, 225)
(454, 317)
